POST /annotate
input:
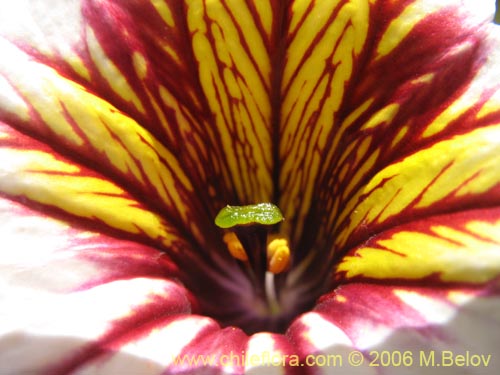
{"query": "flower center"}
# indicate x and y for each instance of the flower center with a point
(264, 257)
(278, 259)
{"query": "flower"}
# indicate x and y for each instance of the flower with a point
(125, 126)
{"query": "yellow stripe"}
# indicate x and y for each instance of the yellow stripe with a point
(454, 255)
(315, 19)
(235, 77)
(463, 104)
(468, 163)
(78, 65)
(43, 97)
(170, 51)
(184, 123)
(81, 120)
(383, 116)
(110, 72)
(40, 177)
(354, 115)
(140, 65)
(426, 78)
(490, 106)
(164, 11)
(299, 12)
(313, 92)
(256, 46)
(401, 26)
(361, 151)
(400, 134)
(265, 15)
(361, 171)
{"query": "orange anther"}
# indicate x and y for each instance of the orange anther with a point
(234, 246)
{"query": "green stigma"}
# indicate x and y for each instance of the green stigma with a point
(260, 213)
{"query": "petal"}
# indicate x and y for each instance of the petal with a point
(63, 258)
(375, 319)
(65, 333)
(102, 304)
(181, 103)
(271, 354)
(455, 174)
(52, 33)
(195, 80)
(455, 248)
(324, 43)
(43, 179)
(50, 107)
(34, 172)
(230, 43)
(159, 353)
(405, 143)
(58, 270)
(105, 305)
(213, 349)
(181, 122)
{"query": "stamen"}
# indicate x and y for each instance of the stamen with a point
(248, 239)
(278, 255)
(234, 246)
(272, 298)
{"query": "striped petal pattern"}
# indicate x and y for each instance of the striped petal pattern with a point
(126, 126)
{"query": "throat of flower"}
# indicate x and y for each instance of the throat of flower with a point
(262, 254)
